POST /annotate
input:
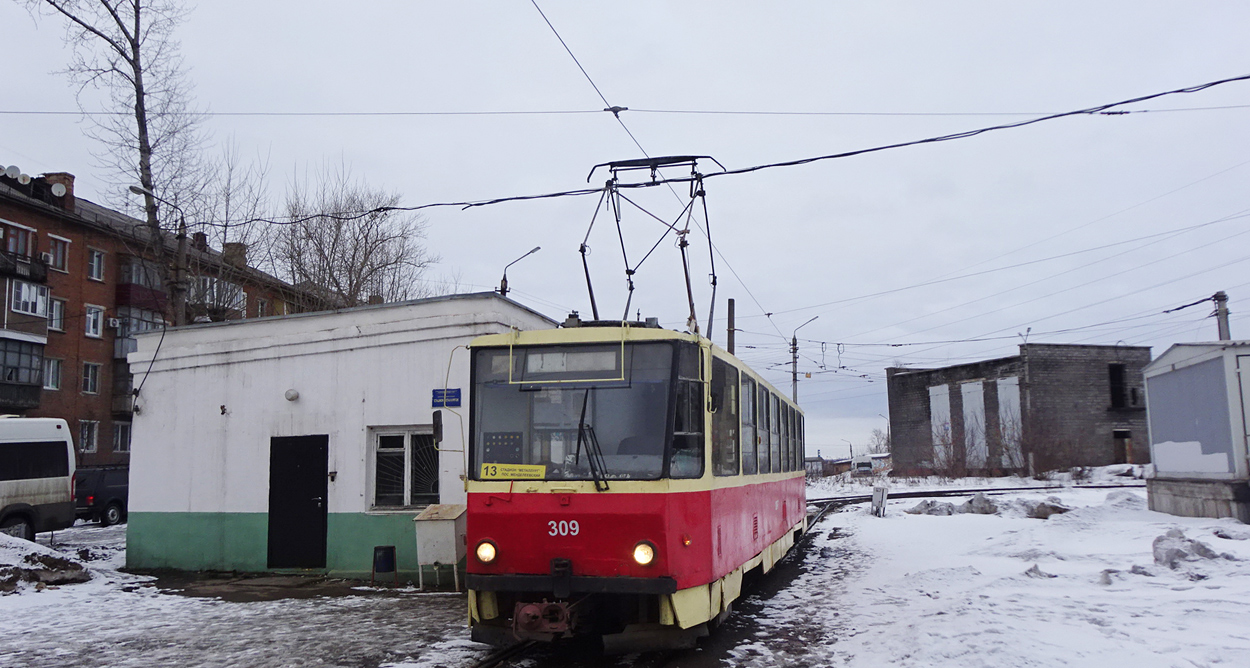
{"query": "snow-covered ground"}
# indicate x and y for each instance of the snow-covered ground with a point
(118, 619)
(1081, 588)
(962, 590)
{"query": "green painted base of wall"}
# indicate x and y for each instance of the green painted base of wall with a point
(198, 541)
(240, 542)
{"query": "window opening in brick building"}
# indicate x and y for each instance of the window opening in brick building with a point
(58, 250)
(93, 321)
(51, 374)
(121, 437)
(30, 298)
(95, 264)
(56, 314)
(18, 241)
(1118, 386)
(88, 435)
(90, 378)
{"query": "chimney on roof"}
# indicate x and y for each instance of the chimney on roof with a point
(66, 201)
(375, 300)
(234, 253)
(199, 241)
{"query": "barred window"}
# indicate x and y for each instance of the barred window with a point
(405, 471)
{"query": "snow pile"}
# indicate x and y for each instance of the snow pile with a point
(1082, 588)
(1173, 548)
(26, 565)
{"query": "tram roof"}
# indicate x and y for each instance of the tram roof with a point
(560, 335)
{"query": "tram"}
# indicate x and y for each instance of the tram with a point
(623, 479)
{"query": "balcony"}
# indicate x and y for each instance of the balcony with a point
(19, 396)
(123, 346)
(139, 296)
(123, 403)
(27, 268)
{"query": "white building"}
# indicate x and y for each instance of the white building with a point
(1198, 402)
(302, 442)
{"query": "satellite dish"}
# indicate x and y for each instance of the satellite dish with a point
(58, 189)
(23, 179)
(12, 171)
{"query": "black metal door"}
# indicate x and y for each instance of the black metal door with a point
(297, 501)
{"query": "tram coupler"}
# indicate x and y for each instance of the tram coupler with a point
(541, 621)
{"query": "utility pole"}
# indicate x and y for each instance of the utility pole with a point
(794, 361)
(179, 296)
(1221, 315)
(794, 368)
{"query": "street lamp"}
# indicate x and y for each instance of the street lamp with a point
(849, 447)
(794, 361)
(503, 284)
(178, 298)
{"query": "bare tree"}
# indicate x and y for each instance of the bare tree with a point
(150, 132)
(346, 245)
(879, 442)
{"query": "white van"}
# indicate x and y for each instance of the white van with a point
(36, 476)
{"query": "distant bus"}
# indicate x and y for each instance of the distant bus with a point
(36, 476)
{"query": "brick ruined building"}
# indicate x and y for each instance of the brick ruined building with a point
(1050, 407)
(78, 280)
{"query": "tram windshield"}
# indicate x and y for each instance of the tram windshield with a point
(575, 412)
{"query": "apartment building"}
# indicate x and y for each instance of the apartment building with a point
(79, 282)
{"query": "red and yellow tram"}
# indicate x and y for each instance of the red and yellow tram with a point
(623, 479)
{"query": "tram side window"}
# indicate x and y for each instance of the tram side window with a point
(748, 426)
(775, 432)
(796, 460)
(724, 418)
(787, 448)
(803, 442)
(686, 460)
(761, 430)
(789, 437)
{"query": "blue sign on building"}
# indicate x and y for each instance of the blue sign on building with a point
(449, 397)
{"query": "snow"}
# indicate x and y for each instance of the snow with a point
(923, 590)
(1081, 588)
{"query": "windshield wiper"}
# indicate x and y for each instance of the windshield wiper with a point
(594, 454)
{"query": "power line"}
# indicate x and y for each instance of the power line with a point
(616, 111)
(803, 161)
(610, 109)
(1088, 111)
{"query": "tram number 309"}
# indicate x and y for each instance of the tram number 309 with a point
(563, 528)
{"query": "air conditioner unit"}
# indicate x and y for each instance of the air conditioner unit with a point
(114, 323)
(46, 257)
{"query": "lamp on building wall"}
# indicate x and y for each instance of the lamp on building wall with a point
(179, 296)
(503, 284)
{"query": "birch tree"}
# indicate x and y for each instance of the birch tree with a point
(150, 132)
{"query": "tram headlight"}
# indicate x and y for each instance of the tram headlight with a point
(486, 552)
(644, 553)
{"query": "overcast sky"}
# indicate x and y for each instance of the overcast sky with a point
(1033, 212)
